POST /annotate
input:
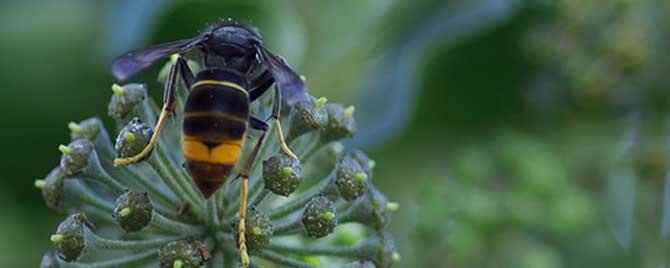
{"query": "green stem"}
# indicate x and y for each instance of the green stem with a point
(212, 215)
(169, 180)
(125, 261)
(283, 260)
(150, 187)
(300, 201)
(91, 198)
(258, 199)
(346, 252)
(114, 186)
(161, 222)
(180, 176)
(288, 227)
(112, 244)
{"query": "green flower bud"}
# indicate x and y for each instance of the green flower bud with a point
(183, 253)
(281, 174)
(87, 129)
(133, 138)
(366, 163)
(76, 156)
(52, 188)
(306, 116)
(380, 249)
(49, 260)
(318, 217)
(258, 230)
(125, 102)
(133, 211)
(69, 237)
(341, 123)
(372, 210)
(351, 179)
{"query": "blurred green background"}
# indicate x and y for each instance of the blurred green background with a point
(512, 133)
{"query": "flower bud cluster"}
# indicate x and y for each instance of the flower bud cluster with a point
(152, 213)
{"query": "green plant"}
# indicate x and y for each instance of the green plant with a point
(151, 214)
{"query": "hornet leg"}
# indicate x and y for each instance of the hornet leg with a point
(276, 107)
(244, 189)
(168, 108)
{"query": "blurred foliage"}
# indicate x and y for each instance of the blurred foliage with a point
(540, 141)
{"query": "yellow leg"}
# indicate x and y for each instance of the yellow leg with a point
(244, 256)
(282, 142)
(152, 142)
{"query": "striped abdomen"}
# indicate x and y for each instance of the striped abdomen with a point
(215, 120)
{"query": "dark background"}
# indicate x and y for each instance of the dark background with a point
(512, 133)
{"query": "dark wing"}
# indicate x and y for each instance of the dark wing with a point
(290, 84)
(135, 61)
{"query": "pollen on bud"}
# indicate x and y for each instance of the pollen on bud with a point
(86, 129)
(76, 156)
(118, 90)
(305, 116)
(69, 238)
(282, 174)
(133, 138)
(52, 187)
(64, 149)
(318, 217)
(122, 107)
(57, 238)
(39, 184)
(392, 206)
(74, 127)
(258, 230)
(183, 253)
(351, 179)
(133, 211)
(320, 103)
(349, 111)
(341, 123)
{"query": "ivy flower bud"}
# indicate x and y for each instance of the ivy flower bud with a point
(372, 210)
(380, 249)
(69, 237)
(318, 217)
(49, 260)
(133, 211)
(87, 129)
(122, 107)
(305, 116)
(183, 253)
(133, 138)
(366, 163)
(351, 179)
(341, 123)
(76, 156)
(258, 230)
(52, 187)
(282, 174)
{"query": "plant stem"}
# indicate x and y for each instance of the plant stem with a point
(126, 261)
(299, 202)
(112, 244)
(287, 227)
(161, 222)
(281, 259)
(347, 252)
